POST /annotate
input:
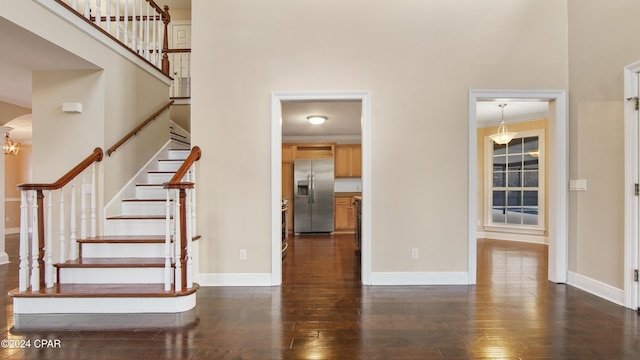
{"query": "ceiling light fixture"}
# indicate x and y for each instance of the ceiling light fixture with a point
(503, 136)
(11, 147)
(317, 119)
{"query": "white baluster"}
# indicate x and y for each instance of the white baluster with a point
(83, 207)
(154, 45)
(167, 243)
(63, 239)
(87, 8)
(126, 22)
(98, 19)
(74, 5)
(193, 201)
(94, 219)
(177, 239)
(23, 273)
(49, 243)
(35, 266)
(140, 31)
(108, 14)
(189, 268)
(73, 240)
(147, 38)
(133, 26)
(117, 24)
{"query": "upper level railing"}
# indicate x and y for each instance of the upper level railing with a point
(140, 25)
(36, 259)
(180, 71)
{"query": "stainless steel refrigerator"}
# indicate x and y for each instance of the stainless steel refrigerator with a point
(313, 196)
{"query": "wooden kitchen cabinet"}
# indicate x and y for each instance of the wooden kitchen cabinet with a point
(344, 215)
(287, 192)
(348, 160)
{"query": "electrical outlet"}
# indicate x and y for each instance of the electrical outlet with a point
(243, 254)
(414, 253)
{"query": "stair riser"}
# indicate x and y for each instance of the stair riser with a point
(135, 227)
(169, 165)
(122, 250)
(150, 192)
(111, 276)
(155, 178)
(178, 154)
(105, 305)
(144, 208)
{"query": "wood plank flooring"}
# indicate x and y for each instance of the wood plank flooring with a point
(322, 312)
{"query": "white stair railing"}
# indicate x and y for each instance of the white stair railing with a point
(36, 256)
(181, 224)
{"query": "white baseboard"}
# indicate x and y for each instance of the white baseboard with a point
(4, 258)
(234, 279)
(596, 288)
(535, 239)
(11, 231)
(420, 278)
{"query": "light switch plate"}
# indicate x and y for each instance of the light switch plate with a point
(578, 185)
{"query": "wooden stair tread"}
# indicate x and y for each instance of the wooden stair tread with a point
(124, 239)
(110, 262)
(161, 171)
(146, 200)
(147, 184)
(104, 290)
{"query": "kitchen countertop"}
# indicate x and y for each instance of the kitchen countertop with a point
(347, 194)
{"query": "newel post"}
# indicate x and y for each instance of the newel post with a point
(166, 19)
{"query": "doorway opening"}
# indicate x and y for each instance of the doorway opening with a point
(281, 105)
(557, 169)
(512, 197)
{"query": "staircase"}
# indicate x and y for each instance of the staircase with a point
(135, 267)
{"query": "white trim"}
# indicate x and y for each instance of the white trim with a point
(4, 258)
(237, 279)
(10, 231)
(103, 305)
(420, 278)
(507, 236)
(276, 174)
(556, 187)
(595, 287)
(513, 230)
(631, 169)
(88, 29)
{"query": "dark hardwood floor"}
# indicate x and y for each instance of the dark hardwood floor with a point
(322, 312)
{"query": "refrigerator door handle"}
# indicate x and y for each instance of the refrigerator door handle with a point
(310, 179)
(313, 187)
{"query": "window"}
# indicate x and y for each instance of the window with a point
(514, 182)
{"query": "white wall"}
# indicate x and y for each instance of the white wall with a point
(418, 59)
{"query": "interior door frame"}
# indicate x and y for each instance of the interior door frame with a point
(276, 174)
(631, 177)
(558, 140)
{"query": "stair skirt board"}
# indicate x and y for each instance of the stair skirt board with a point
(123, 250)
(110, 322)
(83, 275)
(106, 305)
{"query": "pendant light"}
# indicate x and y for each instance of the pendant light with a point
(11, 147)
(503, 136)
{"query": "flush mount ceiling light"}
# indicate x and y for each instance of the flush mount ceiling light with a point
(11, 147)
(317, 119)
(502, 136)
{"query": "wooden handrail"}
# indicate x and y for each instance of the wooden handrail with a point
(176, 180)
(96, 156)
(174, 51)
(135, 131)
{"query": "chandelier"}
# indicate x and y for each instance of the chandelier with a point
(11, 147)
